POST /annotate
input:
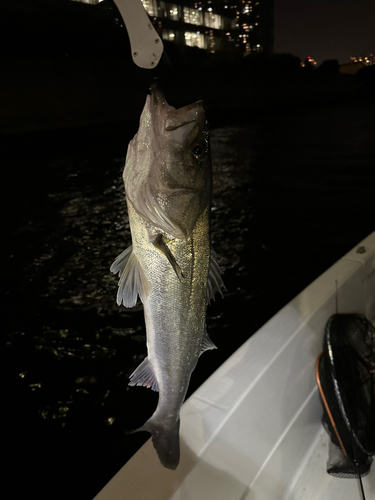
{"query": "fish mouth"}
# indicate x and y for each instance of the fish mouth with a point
(157, 94)
(174, 118)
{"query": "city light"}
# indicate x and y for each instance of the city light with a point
(239, 26)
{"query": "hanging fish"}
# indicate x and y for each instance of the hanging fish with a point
(170, 264)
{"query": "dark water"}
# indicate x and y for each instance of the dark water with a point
(293, 191)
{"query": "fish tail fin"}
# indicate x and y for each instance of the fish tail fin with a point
(165, 438)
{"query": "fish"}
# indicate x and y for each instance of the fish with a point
(170, 264)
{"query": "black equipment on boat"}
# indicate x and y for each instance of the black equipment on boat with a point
(345, 373)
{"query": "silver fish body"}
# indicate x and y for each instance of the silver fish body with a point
(170, 264)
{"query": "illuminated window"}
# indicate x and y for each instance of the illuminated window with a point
(150, 7)
(166, 9)
(195, 40)
(213, 20)
(173, 12)
(193, 16)
(247, 8)
(93, 2)
(248, 28)
(168, 35)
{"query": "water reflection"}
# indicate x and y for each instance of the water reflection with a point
(291, 195)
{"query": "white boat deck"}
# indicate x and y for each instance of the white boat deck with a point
(252, 431)
(313, 483)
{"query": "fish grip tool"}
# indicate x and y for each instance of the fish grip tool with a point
(344, 374)
(144, 42)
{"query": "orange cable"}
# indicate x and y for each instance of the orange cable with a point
(326, 404)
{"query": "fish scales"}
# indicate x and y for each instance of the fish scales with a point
(175, 334)
(170, 264)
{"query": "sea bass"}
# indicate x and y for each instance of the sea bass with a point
(170, 264)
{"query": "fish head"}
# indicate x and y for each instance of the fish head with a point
(180, 139)
(168, 169)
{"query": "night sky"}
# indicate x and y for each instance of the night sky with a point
(325, 29)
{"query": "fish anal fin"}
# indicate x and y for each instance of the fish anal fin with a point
(133, 281)
(215, 282)
(144, 375)
(160, 244)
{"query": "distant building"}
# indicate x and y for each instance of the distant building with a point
(366, 60)
(214, 24)
(309, 62)
(357, 63)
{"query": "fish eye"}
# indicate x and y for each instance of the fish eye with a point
(198, 150)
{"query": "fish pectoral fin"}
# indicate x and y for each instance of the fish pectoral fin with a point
(214, 282)
(207, 344)
(133, 281)
(144, 375)
(120, 262)
(159, 243)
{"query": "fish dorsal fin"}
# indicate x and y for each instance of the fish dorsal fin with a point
(207, 344)
(144, 375)
(133, 281)
(215, 282)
